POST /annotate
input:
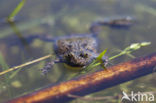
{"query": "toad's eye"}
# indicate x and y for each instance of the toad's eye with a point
(84, 55)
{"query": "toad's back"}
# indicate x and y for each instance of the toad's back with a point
(76, 50)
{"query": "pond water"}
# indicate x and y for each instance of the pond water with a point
(19, 43)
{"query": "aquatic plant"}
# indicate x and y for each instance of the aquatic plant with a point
(11, 17)
(96, 62)
(127, 51)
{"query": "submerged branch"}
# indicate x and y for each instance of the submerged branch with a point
(92, 83)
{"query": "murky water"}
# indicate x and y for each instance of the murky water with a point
(19, 44)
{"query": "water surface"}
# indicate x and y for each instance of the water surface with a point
(59, 18)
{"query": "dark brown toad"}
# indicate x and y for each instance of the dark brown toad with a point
(80, 50)
(76, 50)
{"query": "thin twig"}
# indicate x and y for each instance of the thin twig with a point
(25, 64)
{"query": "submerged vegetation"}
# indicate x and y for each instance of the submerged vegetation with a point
(62, 18)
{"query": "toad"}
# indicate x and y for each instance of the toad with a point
(80, 50)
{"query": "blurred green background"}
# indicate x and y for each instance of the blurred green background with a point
(64, 17)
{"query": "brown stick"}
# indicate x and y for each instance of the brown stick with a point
(92, 83)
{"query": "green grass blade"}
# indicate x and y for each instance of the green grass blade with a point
(16, 10)
(95, 62)
(3, 63)
(99, 58)
(5, 66)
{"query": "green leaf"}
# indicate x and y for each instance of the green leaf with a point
(16, 10)
(145, 43)
(99, 58)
